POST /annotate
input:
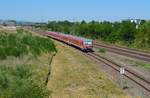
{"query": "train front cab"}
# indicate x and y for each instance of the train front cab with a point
(88, 45)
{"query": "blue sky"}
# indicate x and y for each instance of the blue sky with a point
(74, 10)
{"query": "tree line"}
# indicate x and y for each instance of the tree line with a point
(124, 32)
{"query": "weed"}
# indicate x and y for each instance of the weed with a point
(102, 50)
(18, 82)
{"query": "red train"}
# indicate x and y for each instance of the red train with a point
(82, 43)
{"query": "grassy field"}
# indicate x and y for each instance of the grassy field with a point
(24, 65)
(23, 43)
(74, 76)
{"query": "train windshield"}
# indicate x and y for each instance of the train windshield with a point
(87, 42)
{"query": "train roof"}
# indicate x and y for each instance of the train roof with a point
(80, 38)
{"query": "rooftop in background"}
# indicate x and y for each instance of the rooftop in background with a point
(19, 23)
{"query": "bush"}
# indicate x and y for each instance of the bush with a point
(20, 30)
(20, 44)
(19, 83)
(102, 50)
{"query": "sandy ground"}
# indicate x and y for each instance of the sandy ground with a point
(75, 76)
(8, 29)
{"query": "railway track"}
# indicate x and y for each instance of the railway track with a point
(125, 51)
(140, 80)
(130, 74)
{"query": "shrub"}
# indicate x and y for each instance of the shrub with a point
(2, 53)
(20, 44)
(20, 30)
(19, 83)
(102, 50)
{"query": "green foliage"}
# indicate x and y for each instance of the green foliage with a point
(127, 31)
(19, 83)
(142, 38)
(147, 66)
(124, 32)
(20, 30)
(102, 50)
(21, 43)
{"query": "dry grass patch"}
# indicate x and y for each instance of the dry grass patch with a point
(74, 76)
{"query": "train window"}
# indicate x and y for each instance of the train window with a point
(87, 42)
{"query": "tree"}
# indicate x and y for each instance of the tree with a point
(113, 32)
(143, 36)
(127, 32)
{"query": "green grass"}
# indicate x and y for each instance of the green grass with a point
(24, 65)
(23, 43)
(141, 64)
(144, 65)
(18, 82)
(102, 50)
